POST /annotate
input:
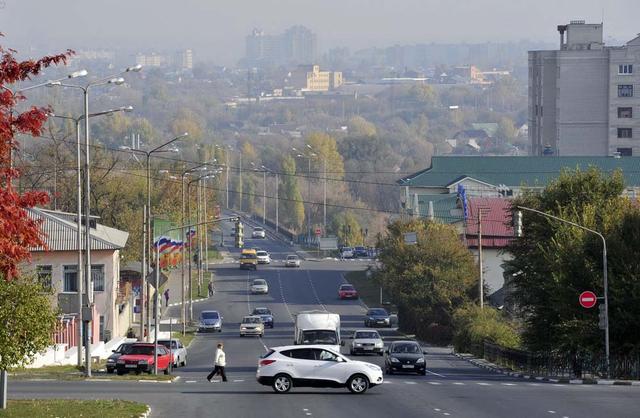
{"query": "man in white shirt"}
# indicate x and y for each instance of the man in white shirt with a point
(220, 363)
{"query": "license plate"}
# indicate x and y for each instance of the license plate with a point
(380, 322)
(368, 348)
(131, 366)
(407, 366)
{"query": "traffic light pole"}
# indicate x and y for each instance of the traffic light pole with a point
(605, 281)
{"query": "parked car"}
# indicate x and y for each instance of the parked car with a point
(317, 366)
(178, 350)
(347, 291)
(346, 252)
(292, 260)
(405, 356)
(113, 358)
(360, 252)
(377, 317)
(139, 358)
(210, 321)
(366, 341)
(251, 325)
(263, 257)
(258, 232)
(259, 286)
(265, 315)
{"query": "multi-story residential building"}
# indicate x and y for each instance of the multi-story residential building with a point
(309, 78)
(583, 97)
(297, 45)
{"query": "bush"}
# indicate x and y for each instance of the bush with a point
(473, 326)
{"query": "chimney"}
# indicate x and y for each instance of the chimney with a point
(562, 29)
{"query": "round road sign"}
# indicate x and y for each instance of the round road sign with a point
(588, 299)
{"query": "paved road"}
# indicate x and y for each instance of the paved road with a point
(452, 387)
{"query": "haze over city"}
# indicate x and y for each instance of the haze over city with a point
(216, 30)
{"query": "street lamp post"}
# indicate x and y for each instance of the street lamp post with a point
(308, 157)
(604, 273)
(77, 121)
(116, 80)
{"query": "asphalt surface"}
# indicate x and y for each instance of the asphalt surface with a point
(452, 387)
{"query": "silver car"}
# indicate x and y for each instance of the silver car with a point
(366, 341)
(178, 350)
(210, 321)
(252, 325)
(292, 261)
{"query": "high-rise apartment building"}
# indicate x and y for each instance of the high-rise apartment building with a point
(584, 99)
(297, 45)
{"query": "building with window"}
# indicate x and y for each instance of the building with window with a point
(56, 265)
(297, 45)
(309, 78)
(582, 96)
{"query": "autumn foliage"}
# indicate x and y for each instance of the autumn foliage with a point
(18, 232)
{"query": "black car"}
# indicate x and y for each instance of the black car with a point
(405, 357)
(113, 358)
(377, 317)
(265, 315)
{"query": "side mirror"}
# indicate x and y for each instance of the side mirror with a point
(424, 352)
(342, 343)
(114, 351)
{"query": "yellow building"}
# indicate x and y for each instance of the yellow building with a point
(310, 78)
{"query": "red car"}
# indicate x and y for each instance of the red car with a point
(139, 358)
(347, 291)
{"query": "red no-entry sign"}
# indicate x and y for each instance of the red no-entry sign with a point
(588, 299)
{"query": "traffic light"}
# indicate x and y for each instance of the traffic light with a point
(517, 223)
(602, 316)
(239, 234)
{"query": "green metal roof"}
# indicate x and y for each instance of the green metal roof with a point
(515, 171)
(443, 204)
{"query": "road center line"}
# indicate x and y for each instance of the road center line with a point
(313, 289)
(435, 374)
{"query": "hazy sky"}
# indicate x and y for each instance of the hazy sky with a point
(216, 29)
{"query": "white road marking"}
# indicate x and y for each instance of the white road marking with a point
(191, 381)
(313, 289)
(437, 409)
(446, 413)
(534, 384)
(305, 409)
(458, 383)
(435, 383)
(551, 412)
(435, 374)
(238, 380)
(410, 383)
(483, 384)
(282, 296)
(508, 384)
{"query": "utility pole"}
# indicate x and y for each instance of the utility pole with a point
(480, 286)
(143, 279)
(240, 185)
(277, 200)
(264, 196)
(324, 193)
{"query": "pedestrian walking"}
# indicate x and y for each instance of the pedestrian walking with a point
(210, 287)
(166, 298)
(219, 364)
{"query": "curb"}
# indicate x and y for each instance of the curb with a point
(145, 414)
(562, 380)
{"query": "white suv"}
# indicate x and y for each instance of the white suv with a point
(315, 366)
(258, 233)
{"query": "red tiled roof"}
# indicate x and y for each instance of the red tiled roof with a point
(497, 230)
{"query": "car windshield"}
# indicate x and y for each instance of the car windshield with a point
(360, 248)
(209, 315)
(346, 287)
(262, 253)
(174, 344)
(368, 335)
(377, 312)
(257, 229)
(261, 311)
(292, 257)
(259, 282)
(347, 249)
(405, 348)
(123, 348)
(319, 337)
(248, 256)
(250, 320)
(141, 349)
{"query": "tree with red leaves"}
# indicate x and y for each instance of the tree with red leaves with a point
(18, 232)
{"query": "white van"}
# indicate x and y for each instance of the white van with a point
(318, 328)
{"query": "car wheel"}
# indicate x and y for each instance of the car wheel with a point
(242, 335)
(110, 371)
(184, 363)
(381, 354)
(119, 373)
(220, 330)
(422, 372)
(282, 383)
(358, 384)
(166, 371)
(388, 371)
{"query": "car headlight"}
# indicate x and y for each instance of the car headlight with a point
(358, 345)
(394, 360)
(420, 360)
(243, 328)
(110, 360)
(379, 344)
(374, 367)
(371, 319)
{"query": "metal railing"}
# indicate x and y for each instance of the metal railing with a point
(559, 364)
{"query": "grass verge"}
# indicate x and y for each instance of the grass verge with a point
(64, 408)
(204, 290)
(71, 372)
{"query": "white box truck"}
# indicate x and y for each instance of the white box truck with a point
(318, 327)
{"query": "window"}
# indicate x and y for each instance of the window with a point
(70, 279)
(625, 112)
(44, 276)
(325, 355)
(97, 275)
(101, 328)
(625, 90)
(625, 133)
(300, 353)
(625, 152)
(625, 69)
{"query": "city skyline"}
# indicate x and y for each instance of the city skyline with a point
(217, 32)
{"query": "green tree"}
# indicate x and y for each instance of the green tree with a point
(554, 262)
(359, 126)
(474, 325)
(326, 149)
(291, 203)
(428, 280)
(348, 229)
